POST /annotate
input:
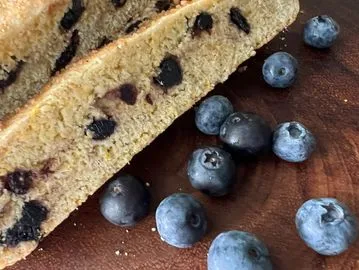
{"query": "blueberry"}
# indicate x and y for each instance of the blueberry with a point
(19, 181)
(280, 70)
(211, 114)
(125, 201)
(236, 250)
(326, 225)
(203, 22)
(181, 220)
(28, 227)
(101, 129)
(293, 142)
(211, 170)
(321, 32)
(170, 74)
(246, 133)
(68, 54)
(238, 19)
(72, 16)
(163, 5)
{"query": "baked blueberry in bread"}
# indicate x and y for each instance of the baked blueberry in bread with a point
(91, 119)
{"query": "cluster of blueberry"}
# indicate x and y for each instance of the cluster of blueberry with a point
(326, 225)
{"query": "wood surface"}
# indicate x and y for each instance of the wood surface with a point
(269, 191)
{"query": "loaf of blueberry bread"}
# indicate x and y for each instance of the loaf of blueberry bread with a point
(40, 37)
(91, 119)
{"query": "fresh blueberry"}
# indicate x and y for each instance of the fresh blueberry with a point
(211, 114)
(181, 220)
(326, 225)
(236, 250)
(321, 32)
(211, 170)
(125, 201)
(280, 70)
(293, 142)
(246, 133)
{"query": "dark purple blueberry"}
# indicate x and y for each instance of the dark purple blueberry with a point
(125, 201)
(119, 3)
(211, 114)
(321, 32)
(280, 70)
(237, 250)
(247, 134)
(163, 5)
(327, 226)
(203, 22)
(293, 142)
(101, 128)
(68, 54)
(72, 16)
(170, 73)
(181, 220)
(238, 19)
(128, 93)
(211, 170)
(133, 27)
(27, 228)
(19, 181)
(11, 76)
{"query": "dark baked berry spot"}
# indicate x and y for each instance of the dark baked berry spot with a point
(203, 22)
(170, 73)
(104, 41)
(119, 3)
(101, 128)
(27, 228)
(47, 167)
(11, 76)
(133, 27)
(19, 181)
(163, 5)
(149, 99)
(72, 15)
(238, 19)
(128, 93)
(69, 53)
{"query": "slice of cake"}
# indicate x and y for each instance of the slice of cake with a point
(40, 37)
(90, 120)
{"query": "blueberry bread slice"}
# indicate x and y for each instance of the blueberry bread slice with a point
(40, 37)
(91, 119)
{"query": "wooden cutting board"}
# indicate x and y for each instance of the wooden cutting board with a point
(269, 191)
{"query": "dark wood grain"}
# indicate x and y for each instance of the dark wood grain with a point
(325, 98)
